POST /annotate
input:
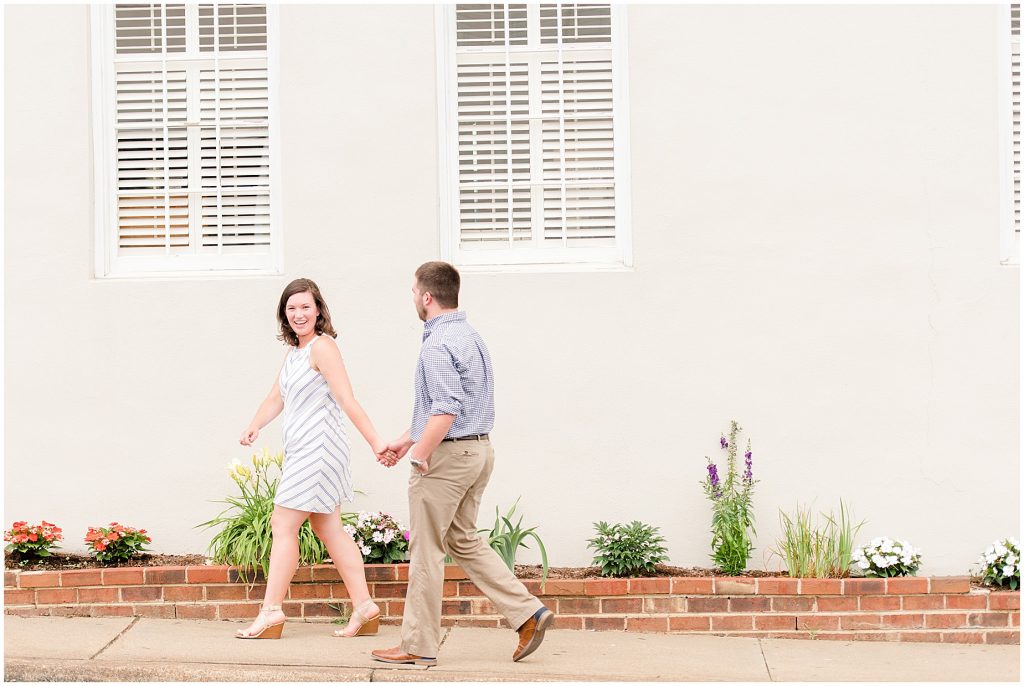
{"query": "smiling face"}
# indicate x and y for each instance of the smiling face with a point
(301, 312)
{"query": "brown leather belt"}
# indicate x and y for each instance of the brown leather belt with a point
(473, 437)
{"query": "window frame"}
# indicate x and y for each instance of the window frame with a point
(618, 257)
(1009, 236)
(107, 263)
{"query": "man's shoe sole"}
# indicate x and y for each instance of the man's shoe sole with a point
(538, 635)
(429, 661)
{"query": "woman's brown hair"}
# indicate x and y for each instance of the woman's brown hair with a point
(323, 320)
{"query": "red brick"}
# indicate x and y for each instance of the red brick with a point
(971, 601)
(319, 610)
(195, 611)
(110, 611)
(165, 575)
(123, 576)
(325, 573)
(689, 623)
(936, 620)
(228, 592)
(39, 580)
(402, 571)
(949, 584)
(397, 590)
(98, 595)
(568, 622)
(903, 621)
(649, 586)
(622, 605)
(396, 608)
(478, 622)
(605, 587)
(21, 596)
(774, 622)
(550, 603)
(1014, 619)
(604, 623)
(687, 586)
(238, 610)
(450, 589)
(579, 606)
(995, 619)
(963, 637)
(831, 636)
(56, 596)
(857, 622)
(141, 594)
(321, 591)
(923, 602)
(291, 608)
(187, 593)
(534, 586)
(703, 604)
(207, 574)
(750, 604)
(338, 591)
(564, 587)
(666, 606)
(10, 579)
(1004, 601)
(905, 585)
(879, 603)
(1003, 637)
(468, 588)
(69, 611)
(302, 574)
(255, 592)
(799, 603)
(837, 603)
(817, 622)
(380, 573)
(647, 624)
(735, 586)
(863, 586)
(480, 606)
(154, 611)
(779, 586)
(732, 623)
(456, 607)
(28, 611)
(239, 576)
(921, 636)
(454, 573)
(82, 577)
(821, 586)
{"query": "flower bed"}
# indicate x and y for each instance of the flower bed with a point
(936, 609)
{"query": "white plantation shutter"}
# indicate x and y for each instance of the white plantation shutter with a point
(185, 117)
(534, 134)
(1015, 109)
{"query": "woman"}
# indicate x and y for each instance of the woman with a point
(313, 389)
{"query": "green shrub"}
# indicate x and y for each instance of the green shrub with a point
(732, 519)
(506, 539)
(627, 549)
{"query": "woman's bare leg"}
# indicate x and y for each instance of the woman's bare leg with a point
(347, 557)
(284, 558)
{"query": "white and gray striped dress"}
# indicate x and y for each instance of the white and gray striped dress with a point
(316, 474)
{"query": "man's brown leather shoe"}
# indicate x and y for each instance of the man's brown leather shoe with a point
(397, 656)
(531, 633)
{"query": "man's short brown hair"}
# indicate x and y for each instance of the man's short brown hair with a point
(442, 281)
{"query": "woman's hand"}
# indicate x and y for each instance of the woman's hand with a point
(249, 436)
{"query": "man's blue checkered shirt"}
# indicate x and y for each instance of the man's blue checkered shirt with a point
(453, 376)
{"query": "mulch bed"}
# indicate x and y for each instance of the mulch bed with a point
(534, 572)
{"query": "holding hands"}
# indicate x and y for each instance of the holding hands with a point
(390, 454)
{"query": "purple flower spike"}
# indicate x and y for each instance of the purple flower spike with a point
(748, 475)
(713, 476)
(725, 443)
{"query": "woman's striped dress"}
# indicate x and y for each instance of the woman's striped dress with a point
(316, 475)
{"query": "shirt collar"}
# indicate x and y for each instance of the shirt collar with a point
(431, 324)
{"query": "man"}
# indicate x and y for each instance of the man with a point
(452, 460)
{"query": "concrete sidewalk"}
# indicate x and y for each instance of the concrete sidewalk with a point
(127, 649)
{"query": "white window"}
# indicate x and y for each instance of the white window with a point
(1011, 136)
(184, 140)
(533, 131)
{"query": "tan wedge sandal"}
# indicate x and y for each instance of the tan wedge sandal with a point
(367, 626)
(268, 630)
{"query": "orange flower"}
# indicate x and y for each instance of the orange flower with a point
(33, 537)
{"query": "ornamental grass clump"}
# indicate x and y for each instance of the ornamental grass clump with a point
(732, 519)
(32, 540)
(115, 542)
(627, 549)
(1000, 564)
(885, 557)
(244, 541)
(506, 539)
(817, 551)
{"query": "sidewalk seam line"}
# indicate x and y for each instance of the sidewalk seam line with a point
(135, 620)
(768, 669)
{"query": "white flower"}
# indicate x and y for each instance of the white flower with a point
(875, 542)
(389, 536)
(891, 559)
(896, 550)
(886, 546)
(906, 560)
(365, 549)
(1011, 558)
(1008, 570)
(990, 558)
(864, 564)
(858, 554)
(349, 529)
(378, 537)
(879, 561)
(1000, 549)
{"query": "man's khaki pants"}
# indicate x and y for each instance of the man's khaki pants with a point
(443, 505)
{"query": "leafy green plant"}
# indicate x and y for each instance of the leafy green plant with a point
(627, 549)
(1000, 564)
(817, 551)
(506, 538)
(245, 537)
(380, 537)
(885, 557)
(732, 519)
(116, 542)
(33, 540)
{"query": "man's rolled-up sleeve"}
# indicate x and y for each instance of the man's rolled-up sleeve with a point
(444, 384)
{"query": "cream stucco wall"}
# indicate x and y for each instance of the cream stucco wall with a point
(815, 194)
